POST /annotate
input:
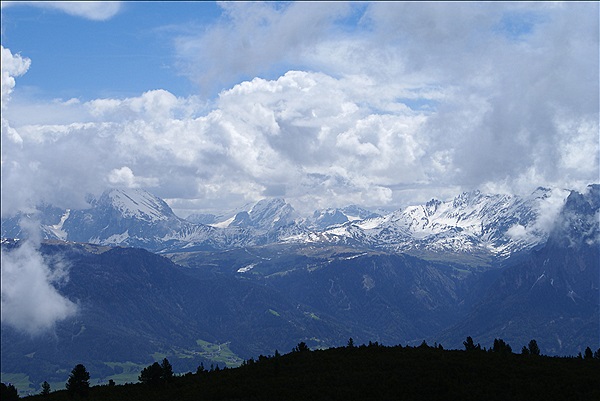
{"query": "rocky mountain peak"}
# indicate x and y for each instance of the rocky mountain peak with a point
(135, 203)
(266, 214)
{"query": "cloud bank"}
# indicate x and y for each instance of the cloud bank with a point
(380, 105)
(30, 300)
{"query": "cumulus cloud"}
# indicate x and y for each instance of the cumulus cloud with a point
(30, 300)
(125, 177)
(12, 65)
(497, 75)
(302, 136)
(253, 39)
(381, 105)
(93, 10)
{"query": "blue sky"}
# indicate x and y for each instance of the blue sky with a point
(134, 50)
(122, 56)
(215, 105)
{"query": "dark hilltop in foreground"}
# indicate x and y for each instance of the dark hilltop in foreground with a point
(370, 372)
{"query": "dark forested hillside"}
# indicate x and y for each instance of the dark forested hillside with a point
(136, 307)
(375, 372)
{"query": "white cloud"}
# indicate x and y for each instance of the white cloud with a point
(517, 232)
(125, 177)
(414, 100)
(580, 149)
(496, 74)
(252, 39)
(263, 137)
(13, 65)
(549, 210)
(30, 300)
(93, 10)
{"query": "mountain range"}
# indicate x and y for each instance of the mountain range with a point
(150, 284)
(472, 224)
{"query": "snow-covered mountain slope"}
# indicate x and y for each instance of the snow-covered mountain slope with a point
(135, 217)
(129, 217)
(266, 215)
(472, 223)
(137, 204)
(325, 218)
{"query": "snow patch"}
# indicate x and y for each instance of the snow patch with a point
(370, 224)
(223, 224)
(352, 218)
(247, 268)
(57, 229)
(538, 279)
(116, 238)
(354, 256)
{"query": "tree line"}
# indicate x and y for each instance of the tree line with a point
(159, 377)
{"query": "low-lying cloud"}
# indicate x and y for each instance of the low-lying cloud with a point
(549, 209)
(31, 302)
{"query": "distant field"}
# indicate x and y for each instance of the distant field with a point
(19, 380)
(130, 373)
(220, 353)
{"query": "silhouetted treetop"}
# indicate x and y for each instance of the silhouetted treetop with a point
(301, 347)
(470, 345)
(79, 381)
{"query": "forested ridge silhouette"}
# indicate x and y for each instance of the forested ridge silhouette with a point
(375, 372)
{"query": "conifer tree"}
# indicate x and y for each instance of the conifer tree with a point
(45, 388)
(200, 369)
(502, 347)
(8, 392)
(533, 348)
(79, 381)
(167, 371)
(470, 345)
(301, 347)
(151, 375)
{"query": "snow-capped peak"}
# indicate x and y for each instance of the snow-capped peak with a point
(472, 221)
(325, 218)
(136, 203)
(266, 214)
(498, 224)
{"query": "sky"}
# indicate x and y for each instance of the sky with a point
(211, 106)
